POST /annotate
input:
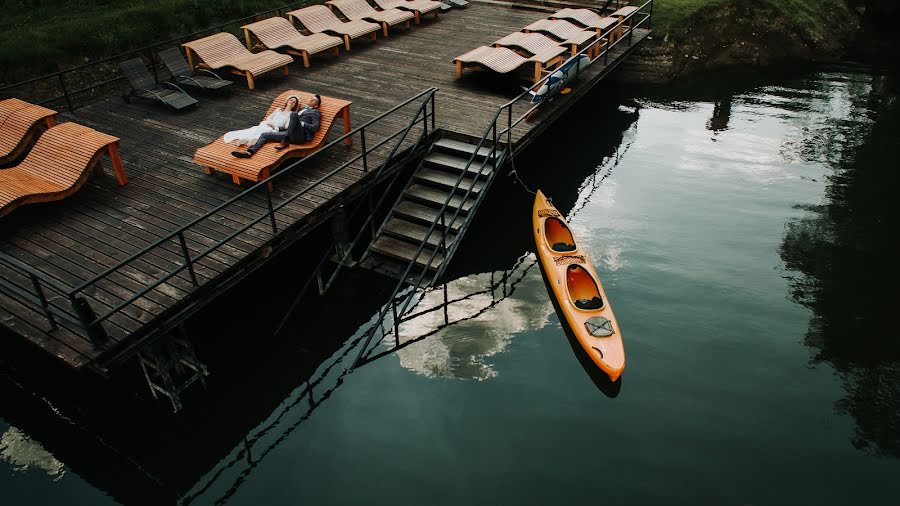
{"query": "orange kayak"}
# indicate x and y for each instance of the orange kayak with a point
(577, 289)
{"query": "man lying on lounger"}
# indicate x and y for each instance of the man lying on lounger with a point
(301, 128)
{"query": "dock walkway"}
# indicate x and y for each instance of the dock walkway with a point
(74, 240)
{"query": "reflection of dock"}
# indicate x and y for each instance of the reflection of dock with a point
(98, 278)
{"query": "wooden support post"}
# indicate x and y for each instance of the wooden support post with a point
(248, 39)
(408, 26)
(285, 70)
(417, 15)
(113, 151)
(305, 55)
(345, 115)
(347, 42)
(263, 175)
(190, 57)
(374, 36)
(337, 50)
(249, 80)
(458, 69)
(537, 71)
(50, 121)
(384, 28)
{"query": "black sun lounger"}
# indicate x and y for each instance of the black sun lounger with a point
(144, 86)
(202, 79)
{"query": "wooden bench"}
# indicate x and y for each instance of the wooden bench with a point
(360, 10)
(567, 33)
(57, 166)
(225, 50)
(19, 122)
(217, 155)
(417, 7)
(621, 14)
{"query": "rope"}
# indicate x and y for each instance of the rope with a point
(514, 173)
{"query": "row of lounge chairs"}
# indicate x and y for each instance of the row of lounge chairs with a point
(58, 163)
(542, 44)
(324, 31)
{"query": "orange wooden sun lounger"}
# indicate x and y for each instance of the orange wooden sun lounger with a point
(319, 19)
(531, 43)
(57, 166)
(417, 7)
(19, 122)
(360, 10)
(217, 155)
(568, 33)
(586, 18)
(225, 50)
(279, 33)
(504, 60)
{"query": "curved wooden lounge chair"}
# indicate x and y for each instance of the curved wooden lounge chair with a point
(503, 60)
(417, 7)
(223, 50)
(144, 86)
(531, 43)
(217, 156)
(621, 14)
(586, 18)
(19, 122)
(360, 10)
(319, 19)
(563, 31)
(279, 33)
(58, 166)
(203, 79)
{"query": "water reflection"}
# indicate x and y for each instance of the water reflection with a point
(23, 454)
(844, 254)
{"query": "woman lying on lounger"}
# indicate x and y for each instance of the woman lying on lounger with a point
(299, 128)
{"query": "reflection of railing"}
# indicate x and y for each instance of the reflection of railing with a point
(497, 157)
(82, 319)
(505, 286)
(105, 66)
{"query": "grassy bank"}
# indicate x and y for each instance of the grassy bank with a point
(41, 35)
(814, 18)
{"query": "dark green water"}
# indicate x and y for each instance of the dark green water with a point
(746, 233)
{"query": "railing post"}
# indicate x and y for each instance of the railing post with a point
(396, 323)
(362, 140)
(86, 316)
(62, 83)
(187, 258)
(631, 26)
(271, 211)
(650, 17)
(152, 65)
(44, 304)
(609, 42)
(446, 313)
(433, 110)
(372, 215)
(508, 129)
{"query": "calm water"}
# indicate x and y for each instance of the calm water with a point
(746, 233)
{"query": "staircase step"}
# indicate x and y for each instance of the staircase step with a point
(436, 198)
(446, 180)
(462, 149)
(415, 232)
(402, 250)
(457, 164)
(425, 215)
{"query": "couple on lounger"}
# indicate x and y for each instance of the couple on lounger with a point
(288, 125)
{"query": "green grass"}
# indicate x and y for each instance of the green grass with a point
(42, 35)
(813, 17)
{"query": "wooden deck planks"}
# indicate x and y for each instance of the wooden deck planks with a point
(75, 239)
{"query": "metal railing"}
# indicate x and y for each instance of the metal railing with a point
(86, 79)
(82, 317)
(497, 156)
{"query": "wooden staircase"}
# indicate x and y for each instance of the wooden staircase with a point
(418, 208)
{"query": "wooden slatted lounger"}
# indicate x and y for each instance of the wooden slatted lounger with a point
(531, 43)
(202, 79)
(319, 19)
(19, 122)
(279, 33)
(504, 60)
(225, 50)
(621, 14)
(57, 166)
(417, 7)
(569, 34)
(217, 155)
(587, 18)
(360, 10)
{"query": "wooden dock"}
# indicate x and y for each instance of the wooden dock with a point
(75, 240)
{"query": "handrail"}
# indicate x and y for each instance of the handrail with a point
(492, 156)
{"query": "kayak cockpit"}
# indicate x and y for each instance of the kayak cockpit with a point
(558, 236)
(583, 291)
